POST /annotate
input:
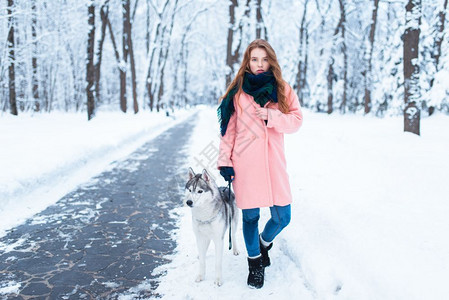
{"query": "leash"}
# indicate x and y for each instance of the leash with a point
(230, 217)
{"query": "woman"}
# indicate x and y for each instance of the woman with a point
(255, 112)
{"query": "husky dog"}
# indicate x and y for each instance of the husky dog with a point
(212, 213)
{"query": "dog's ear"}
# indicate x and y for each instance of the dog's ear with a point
(206, 175)
(191, 173)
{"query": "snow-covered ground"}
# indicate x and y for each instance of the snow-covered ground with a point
(44, 156)
(369, 217)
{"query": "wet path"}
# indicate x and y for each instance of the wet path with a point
(104, 237)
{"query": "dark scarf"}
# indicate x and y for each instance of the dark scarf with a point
(261, 86)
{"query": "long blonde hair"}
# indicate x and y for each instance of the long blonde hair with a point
(274, 67)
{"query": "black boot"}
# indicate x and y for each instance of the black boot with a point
(264, 251)
(256, 272)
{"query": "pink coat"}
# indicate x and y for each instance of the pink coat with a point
(256, 151)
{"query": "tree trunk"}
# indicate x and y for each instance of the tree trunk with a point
(136, 3)
(125, 48)
(133, 75)
(78, 96)
(233, 56)
(90, 69)
(104, 11)
(151, 84)
(128, 27)
(439, 36)
(345, 56)
(133, 66)
(149, 80)
(147, 34)
(34, 77)
(114, 44)
(261, 30)
(438, 41)
(412, 93)
(123, 100)
(300, 75)
(163, 58)
(184, 90)
(230, 59)
(12, 60)
(368, 73)
(330, 72)
(330, 84)
(305, 88)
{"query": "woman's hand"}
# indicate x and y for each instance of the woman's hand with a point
(262, 113)
(227, 173)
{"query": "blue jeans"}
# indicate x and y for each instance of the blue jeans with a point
(280, 217)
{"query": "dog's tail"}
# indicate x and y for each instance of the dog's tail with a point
(231, 199)
(228, 199)
(227, 195)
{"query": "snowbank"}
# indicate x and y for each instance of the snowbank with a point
(369, 218)
(44, 156)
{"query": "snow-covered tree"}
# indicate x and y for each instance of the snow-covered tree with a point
(344, 55)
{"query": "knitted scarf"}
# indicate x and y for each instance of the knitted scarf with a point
(262, 87)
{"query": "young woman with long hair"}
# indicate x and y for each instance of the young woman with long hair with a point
(256, 110)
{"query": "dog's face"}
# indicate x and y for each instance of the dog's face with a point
(199, 189)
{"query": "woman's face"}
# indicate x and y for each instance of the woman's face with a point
(258, 62)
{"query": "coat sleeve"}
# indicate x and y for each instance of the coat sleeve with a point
(289, 122)
(227, 144)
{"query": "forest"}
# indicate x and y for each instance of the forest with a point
(372, 57)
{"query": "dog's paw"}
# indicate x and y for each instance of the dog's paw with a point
(218, 281)
(199, 278)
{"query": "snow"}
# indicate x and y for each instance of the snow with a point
(369, 217)
(10, 287)
(47, 155)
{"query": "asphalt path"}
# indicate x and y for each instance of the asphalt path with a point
(108, 235)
